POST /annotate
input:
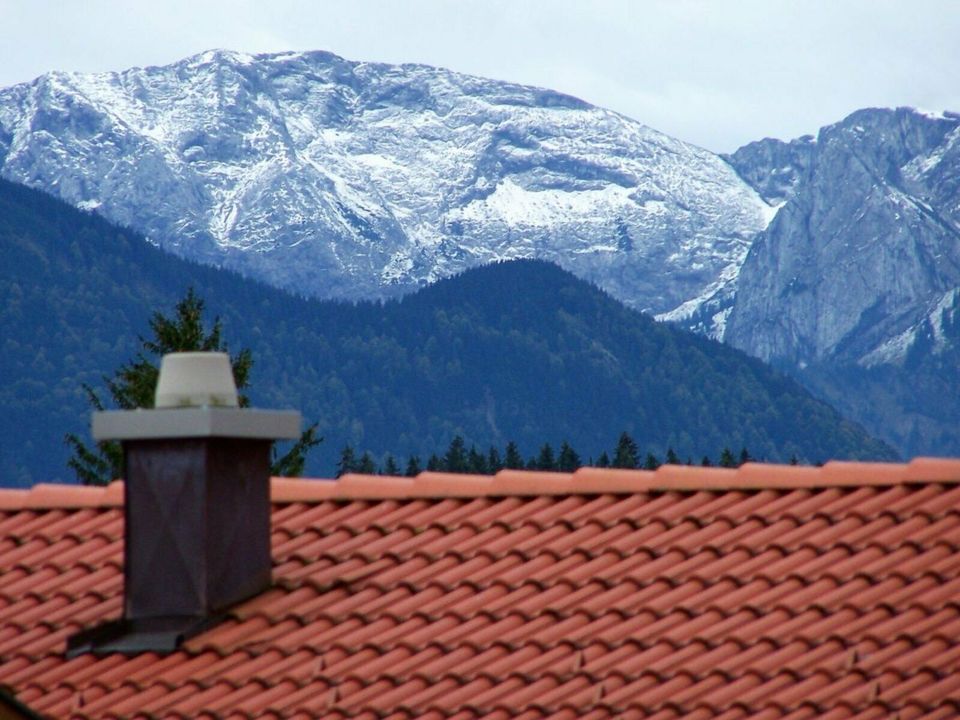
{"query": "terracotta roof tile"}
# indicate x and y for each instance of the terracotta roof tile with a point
(768, 591)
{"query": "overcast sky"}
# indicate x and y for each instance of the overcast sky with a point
(717, 74)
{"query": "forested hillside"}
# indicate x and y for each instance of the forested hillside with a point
(519, 351)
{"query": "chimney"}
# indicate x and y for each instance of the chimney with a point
(197, 505)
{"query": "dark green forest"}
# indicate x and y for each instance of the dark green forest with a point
(520, 352)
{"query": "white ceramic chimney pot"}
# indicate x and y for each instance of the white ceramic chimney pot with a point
(196, 379)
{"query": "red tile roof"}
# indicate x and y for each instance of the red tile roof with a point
(766, 592)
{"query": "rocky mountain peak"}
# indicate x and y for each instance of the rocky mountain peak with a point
(337, 178)
(773, 167)
(865, 247)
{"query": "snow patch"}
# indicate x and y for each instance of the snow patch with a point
(892, 351)
(895, 350)
(719, 328)
(376, 160)
(931, 114)
(397, 268)
(686, 310)
(515, 205)
(770, 212)
(947, 302)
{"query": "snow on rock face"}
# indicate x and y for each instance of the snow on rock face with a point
(347, 179)
(866, 244)
(930, 328)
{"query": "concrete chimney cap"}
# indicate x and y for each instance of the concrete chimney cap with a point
(196, 397)
(196, 379)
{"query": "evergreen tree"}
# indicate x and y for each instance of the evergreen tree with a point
(705, 462)
(671, 458)
(567, 460)
(794, 460)
(627, 453)
(651, 462)
(476, 462)
(513, 460)
(604, 460)
(390, 467)
(455, 460)
(366, 466)
(347, 462)
(494, 462)
(291, 463)
(546, 460)
(726, 459)
(413, 466)
(435, 464)
(745, 456)
(531, 463)
(134, 384)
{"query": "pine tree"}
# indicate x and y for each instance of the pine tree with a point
(347, 462)
(604, 460)
(390, 467)
(705, 462)
(726, 459)
(366, 466)
(546, 460)
(133, 386)
(567, 460)
(627, 453)
(413, 466)
(494, 462)
(512, 459)
(651, 462)
(671, 458)
(435, 464)
(292, 462)
(455, 460)
(476, 462)
(745, 456)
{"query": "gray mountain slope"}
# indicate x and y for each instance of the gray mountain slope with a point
(773, 167)
(855, 285)
(356, 180)
(866, 249)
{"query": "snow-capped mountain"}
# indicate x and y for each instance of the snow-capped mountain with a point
(347, 179)
(864, 255)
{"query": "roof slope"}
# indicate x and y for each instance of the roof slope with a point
(765, 592)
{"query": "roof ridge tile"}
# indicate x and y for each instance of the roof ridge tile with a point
(931, 470)
(585, 481)
(43, 496)
(590, 480)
